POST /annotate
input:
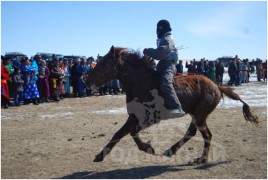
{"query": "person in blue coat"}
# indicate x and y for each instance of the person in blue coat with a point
(33, 65)
(67, 72)
(179, 68)
(76, 74)
(90, 66)
(30, 87)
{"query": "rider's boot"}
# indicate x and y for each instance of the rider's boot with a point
(175, 113)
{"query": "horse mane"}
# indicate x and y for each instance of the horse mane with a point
(134, 58)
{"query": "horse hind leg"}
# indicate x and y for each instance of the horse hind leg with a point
(123, 131)
(207, 136)
(200, 124)
(189, 134)
(206, 106)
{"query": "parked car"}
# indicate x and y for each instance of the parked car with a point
(226, 60)
(49, 56)
(59, 56)
(13, 55)
(45, 56)
(74, 57)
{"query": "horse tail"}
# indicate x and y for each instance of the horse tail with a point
(248, 115)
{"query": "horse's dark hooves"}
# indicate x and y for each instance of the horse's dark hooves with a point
(151, 151)
(98, 159)
(147, 148)
(168, 153)
(198, 161)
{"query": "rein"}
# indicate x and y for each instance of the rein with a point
(103, 77)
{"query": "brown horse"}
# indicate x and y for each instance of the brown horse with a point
(198, 95)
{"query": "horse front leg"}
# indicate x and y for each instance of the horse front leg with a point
(146, 147)
(123, 131)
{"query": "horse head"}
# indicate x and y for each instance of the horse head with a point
(106, 69)
(110, 66)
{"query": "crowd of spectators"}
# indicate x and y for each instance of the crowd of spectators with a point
(238, 70)
(38, 81)
(212, 70)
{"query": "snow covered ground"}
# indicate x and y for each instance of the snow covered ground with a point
(253, 93)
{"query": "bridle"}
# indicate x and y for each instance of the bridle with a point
(103, 75)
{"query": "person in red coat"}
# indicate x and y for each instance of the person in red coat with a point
(5, 98)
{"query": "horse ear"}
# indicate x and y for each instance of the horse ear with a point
(111, 52)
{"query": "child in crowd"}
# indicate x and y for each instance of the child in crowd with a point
(17, 83)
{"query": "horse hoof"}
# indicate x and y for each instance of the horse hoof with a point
(168, 153)
(98, 159)
(150, 151)
(147, 148)
(199, 161)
